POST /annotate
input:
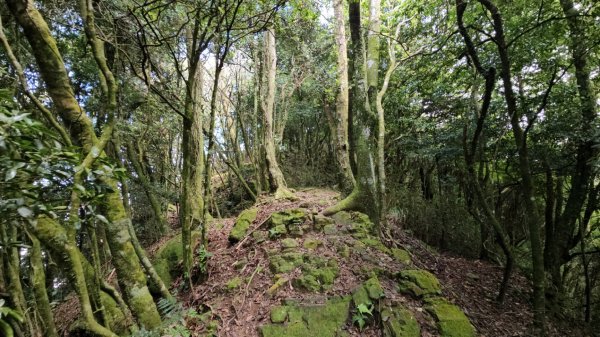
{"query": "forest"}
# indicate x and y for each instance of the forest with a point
(324, 168)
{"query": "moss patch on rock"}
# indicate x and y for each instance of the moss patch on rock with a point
(451, 321)
(355, 222)
(285, 262)
(167, 259)
(374, 288)
(420, 283)
(311, 243)
(289, 243)
(316, 321)
(399, 322)
(318, 274)
(243, 222)
(400, 255)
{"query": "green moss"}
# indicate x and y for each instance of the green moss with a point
(279, 282)
(330, 229)
(260, 236)
(289, 217)
(289, 243)
(320, 221)
(343, 250)
(374, 288)
(234, 283)
(317, 274)
(401, 255)
(116, 319)
(277, 231)
(419, 283)
(399, 322)
(243, 222)
(279, 314)
(169, 256)
(286, 262)
(314, 321)
(312, 243)
(355, 222)
(451, 321)
(373, 242)
(361, 296)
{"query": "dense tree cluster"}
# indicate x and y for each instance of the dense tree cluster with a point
(472, 124)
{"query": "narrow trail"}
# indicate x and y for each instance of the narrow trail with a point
(241, 276)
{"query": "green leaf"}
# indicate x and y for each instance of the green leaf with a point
(102, 218)
(25, 212)
(10, 174)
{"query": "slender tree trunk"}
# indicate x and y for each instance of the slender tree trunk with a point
(277, 183)
(146, 185)
(38, 280)
(192, 202)
(532, 218)
(342, 102)
(364, 195)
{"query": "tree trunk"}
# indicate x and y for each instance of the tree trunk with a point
(277, 183)
(192, 202)
(533, 220)
(38, 280)
(54, 74)
(341, 122)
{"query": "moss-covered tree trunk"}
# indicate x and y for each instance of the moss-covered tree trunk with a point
(277, 183)
(192, 176)
(52, 69)
(364, 195)
(38, 280)
(342, 145)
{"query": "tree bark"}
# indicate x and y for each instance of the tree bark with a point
(277, 183)
(54, 74)
(342, 102)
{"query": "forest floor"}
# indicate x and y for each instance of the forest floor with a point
(471, 284)
(238, 290)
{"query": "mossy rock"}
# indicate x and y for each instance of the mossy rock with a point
(234, 283)
(373, 242)
(318, 274)
(399, 322)
(316, 321)
(330, 229)
(320, 221)
(289, 218)
(361, 296)
(355, 222)
(277, 231)
(289, 243)
(286, 262)
(419, 283)
(279, 314)
(169, 256)
(374, 288)
(401, 255)
(451, 321)
(243, 222)
(311, 243)
(260, 236)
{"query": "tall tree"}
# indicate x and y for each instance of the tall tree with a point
(277, 183)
